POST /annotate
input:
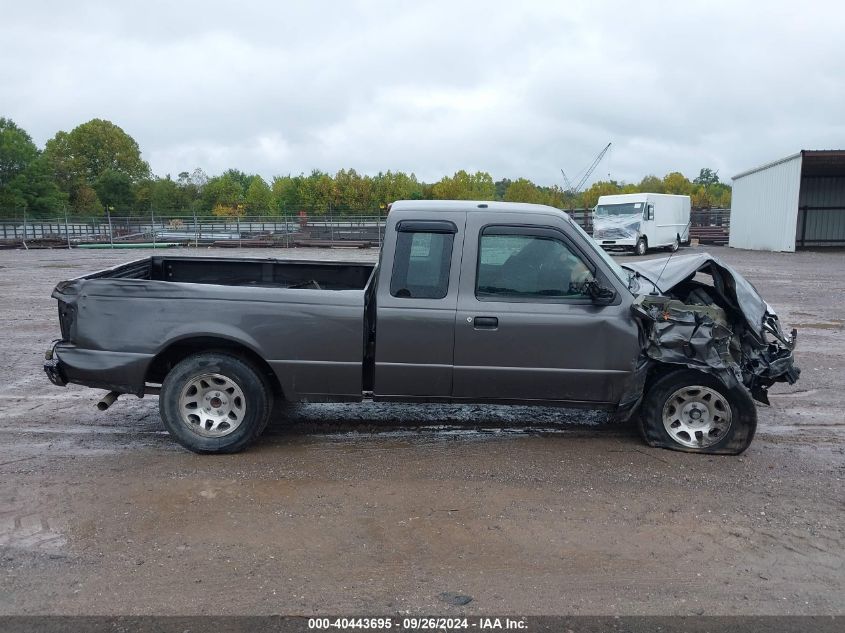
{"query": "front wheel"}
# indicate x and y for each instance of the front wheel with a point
(215, 403)
(641, 247)
(692, 411)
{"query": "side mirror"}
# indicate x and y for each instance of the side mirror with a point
(598, 293)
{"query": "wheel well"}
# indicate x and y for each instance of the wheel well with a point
(644, 240)
(658, 370)
(180, 350)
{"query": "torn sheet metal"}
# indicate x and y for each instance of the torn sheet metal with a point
(697, 336)
(703, 314)
(669, 272)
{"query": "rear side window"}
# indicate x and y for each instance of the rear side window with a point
(421, 265)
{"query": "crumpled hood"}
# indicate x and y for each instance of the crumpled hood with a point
(667, 272)
(716, 322)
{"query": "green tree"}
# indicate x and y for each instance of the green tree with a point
(600, 188)
(259, 196)
(724, 199)
(706, 177)
(650, 184)
(166, 197)
(501, 187)
(314, 193)
(243, 178)
(354, 192)
(391, 186)
(41, 196)
(26, 182)
(700, 198)
(523, 190)
(114, 189)
(286, 193)
(223, 192)
(86, 202)
(191, 186)
(17, 151)
(321, 189)
(465, 186)
(81, 156)
(675, 182)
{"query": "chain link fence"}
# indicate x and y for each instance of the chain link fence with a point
(287, 230)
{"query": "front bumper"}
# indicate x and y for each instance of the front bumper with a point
(622, 242)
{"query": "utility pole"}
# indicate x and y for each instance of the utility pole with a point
(67, 233)
(24, 230)
(111, 230)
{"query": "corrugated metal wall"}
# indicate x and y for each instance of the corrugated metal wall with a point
(821, 211)
(764, 207)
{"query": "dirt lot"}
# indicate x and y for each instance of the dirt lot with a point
(392, 509)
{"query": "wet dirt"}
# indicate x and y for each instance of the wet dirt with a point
(386, 509)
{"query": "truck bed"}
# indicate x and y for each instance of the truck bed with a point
(226, 271)
(306, 319)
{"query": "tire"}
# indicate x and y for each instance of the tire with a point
(641, 247)
(674, 246)
(668, 417)
(215, 403)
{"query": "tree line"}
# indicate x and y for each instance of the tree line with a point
(97, 167)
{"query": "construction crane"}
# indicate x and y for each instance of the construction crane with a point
(576, 188)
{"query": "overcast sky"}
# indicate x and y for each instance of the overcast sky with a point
(513, 88)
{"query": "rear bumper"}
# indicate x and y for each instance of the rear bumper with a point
(114, 371)
(53, 369)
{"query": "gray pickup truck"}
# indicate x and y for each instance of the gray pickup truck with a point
(470, 302)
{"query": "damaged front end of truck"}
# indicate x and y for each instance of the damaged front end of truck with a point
(697, 312)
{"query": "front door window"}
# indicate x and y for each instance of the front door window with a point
(529, 267)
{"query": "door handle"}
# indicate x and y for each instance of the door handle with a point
(485, 323)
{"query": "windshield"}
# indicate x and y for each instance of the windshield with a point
(628, 208)
(625, 276)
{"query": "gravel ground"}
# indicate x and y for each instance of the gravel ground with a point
(383, 509)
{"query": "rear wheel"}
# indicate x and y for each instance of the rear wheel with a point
(641, 247)
(692, 411)
(215, 403)
(675, 245)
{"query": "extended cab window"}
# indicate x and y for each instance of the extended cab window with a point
(529, 266)
(421, 263)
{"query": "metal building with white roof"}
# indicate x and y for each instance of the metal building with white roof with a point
(790, 203)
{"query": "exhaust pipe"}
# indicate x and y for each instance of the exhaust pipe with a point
(107, 400)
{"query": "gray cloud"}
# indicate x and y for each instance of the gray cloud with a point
(516, 89)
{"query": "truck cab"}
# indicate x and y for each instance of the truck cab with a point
(641, 221)
(492, 302)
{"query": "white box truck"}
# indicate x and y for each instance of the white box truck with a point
(640, 221)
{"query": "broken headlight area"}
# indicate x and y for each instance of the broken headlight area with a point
(764, 365)
(705, 315)
(698, 333)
